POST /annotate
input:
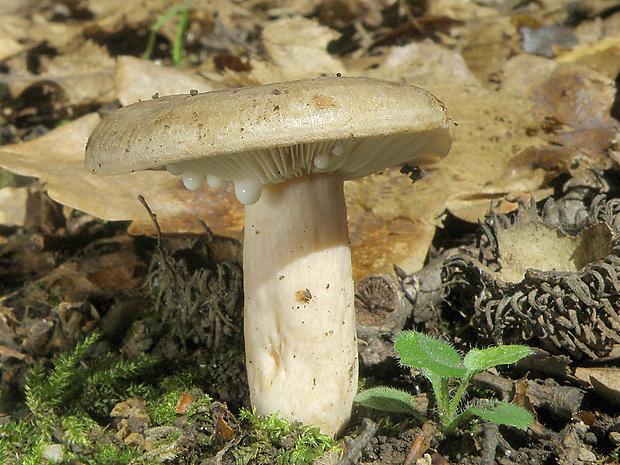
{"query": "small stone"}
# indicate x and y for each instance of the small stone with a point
(614, 437)
(288, 442)
(426, 459)
(134, 439)
(590, 438)
(586, 455)
(53, 453)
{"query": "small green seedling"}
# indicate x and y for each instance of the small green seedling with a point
(180, 35)
(449, 375)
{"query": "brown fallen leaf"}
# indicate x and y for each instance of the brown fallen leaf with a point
(35, 29)
(488, 43)
(57, 158)
(602, 56)
(85, 75)
(604, 380)
(112, 16)
(184, 403)
(503, 143)
(10, 47)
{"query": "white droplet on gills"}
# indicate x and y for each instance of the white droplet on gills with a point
(193, 181)
(175, 169)
(248, 191)
(215, 182)
(321, 161)
(338, 149)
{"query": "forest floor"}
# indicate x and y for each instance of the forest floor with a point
(121, 321)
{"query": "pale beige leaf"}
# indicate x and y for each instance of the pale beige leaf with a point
(605, 381)
(85, 75)
(10, 47)
(502, 145)
(297, 48)
(36, 29)
(137, 79)
(602, 56)
(13, 206)
(58, 160)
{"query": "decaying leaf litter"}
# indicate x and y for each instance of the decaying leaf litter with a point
(532, 87)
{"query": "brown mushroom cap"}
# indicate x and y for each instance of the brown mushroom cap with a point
(279, 129)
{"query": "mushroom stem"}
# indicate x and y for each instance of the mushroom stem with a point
(301, 348)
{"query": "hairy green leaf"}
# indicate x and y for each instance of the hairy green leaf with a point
(418, 350)
(503, 413)
(387, 399)
(479, 360)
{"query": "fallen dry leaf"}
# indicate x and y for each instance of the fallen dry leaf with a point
(57, 158)
(137, 79)
(35, 29)
(604, 380)
(112, 16)
(602, 56)
(10, 47)
(297, 49)
(491, 127)
(341, 13)
(85, 75)
(379, 243)
(485, 45)
(504, 144)
(115, 15)
(13, 206)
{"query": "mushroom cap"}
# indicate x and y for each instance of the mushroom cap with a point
(364, 125)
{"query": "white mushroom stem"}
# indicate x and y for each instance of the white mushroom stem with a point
(300, 340)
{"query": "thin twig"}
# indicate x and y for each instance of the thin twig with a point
(490, 442)
(164, 256)
(422, 442)
(369, 429)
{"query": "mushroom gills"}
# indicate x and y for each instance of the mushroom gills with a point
(271, 166)
(277, 164)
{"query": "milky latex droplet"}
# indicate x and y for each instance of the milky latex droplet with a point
(193, 181)
(321, 161)
(338, 149)
(214, 182)
(174, 169)
(248, 191)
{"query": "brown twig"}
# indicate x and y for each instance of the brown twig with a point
(422, 442)
(369, 430)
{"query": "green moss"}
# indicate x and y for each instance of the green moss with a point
(278, 441)
(111, 454)
(163, 411)
(162, 403)
(66, 401)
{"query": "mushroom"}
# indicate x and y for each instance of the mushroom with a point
(288, 148)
